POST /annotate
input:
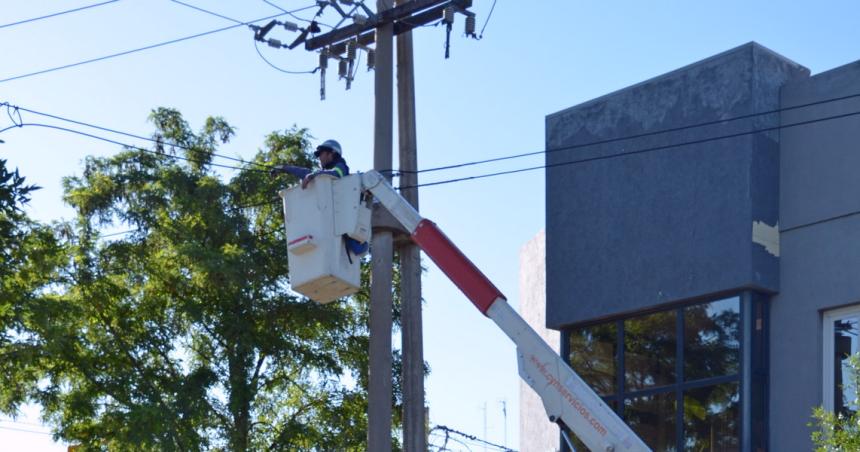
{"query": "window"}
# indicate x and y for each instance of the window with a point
(841, 330)
(674, 376)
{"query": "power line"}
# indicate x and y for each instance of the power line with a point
(256, 45)
(639, 135)
(151, 46)
(24, 430)
(471, 438)
(208, 12)
(19, 123)
(126, 145)
(289, 13)
(257, 48)
(60, 13)
(634, 152)
(492, 8)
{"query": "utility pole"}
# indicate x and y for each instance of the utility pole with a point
(382, 240)
(414, 439)
(341, 44)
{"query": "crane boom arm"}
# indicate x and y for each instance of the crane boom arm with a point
(566, 397)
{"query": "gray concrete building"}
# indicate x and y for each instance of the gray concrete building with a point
(703, 249)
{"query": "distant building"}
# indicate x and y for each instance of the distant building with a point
(706, 280)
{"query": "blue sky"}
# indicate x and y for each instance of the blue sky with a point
(488, 100)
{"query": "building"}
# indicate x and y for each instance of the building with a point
(703, 249)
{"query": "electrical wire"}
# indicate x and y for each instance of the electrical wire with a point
(635, 152)
(472, 438)
(636, 136)
(24, 430)
(126, 145)
(817, 222)
(148, 47)
(60, 13)
(257, 48)
(208, 12)
(18, 109)
(492, 8)
(256, 44)
(289, 13)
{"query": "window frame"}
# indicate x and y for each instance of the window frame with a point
(828, 380)
(752, 374)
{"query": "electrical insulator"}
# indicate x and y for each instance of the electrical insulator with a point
(290, 26)
(323, 60)
(341, 69)
(448, 15)
(274, 43)
(359, 19)
(350, 50)
(371, 59)
(347, 2)
(470, 25)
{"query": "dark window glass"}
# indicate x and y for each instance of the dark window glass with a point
(845, 343)
(593, 354)
(712, 339)
(653, 419)
(649, 350)
(711, 418)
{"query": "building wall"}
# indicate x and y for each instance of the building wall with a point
(633, 232)
(537, 433)
(819, 243)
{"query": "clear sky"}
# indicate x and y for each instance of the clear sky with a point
(488, 100)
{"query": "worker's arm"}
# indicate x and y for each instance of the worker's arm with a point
(297, 171)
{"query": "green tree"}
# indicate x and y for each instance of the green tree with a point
(183, 334)
(840, 430)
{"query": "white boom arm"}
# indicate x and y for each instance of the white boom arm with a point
(566, 398)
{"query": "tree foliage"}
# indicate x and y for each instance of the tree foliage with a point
(181, 334)
(840, 430)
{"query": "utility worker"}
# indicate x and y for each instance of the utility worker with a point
(332, 163)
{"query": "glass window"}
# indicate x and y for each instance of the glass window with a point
(642, 379)
(841, 330)
(593, 353)
(649, 350)
(712, 339)
(653, 419)
(711, 418)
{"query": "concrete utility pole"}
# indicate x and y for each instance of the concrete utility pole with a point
(412, 337)
(379, 403)
(380, 28)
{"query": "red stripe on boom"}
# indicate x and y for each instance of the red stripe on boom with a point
(456, 265)
(300, 239)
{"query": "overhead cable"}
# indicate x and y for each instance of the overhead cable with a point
(18, 123)
(128, 146)
(151, 46)
(60, 13)
(256, 45)
(637, 151)
(635, 136)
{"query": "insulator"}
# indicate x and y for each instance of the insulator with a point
(290, 26)
(351, 49)
(470, 25)
(323, 60)
(322, 83)
(347, 2)
(359, 19)
(448, 15)
(341, 69)
(274, 43)
(371, 59)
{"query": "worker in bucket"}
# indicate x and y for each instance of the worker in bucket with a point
(332, 163)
